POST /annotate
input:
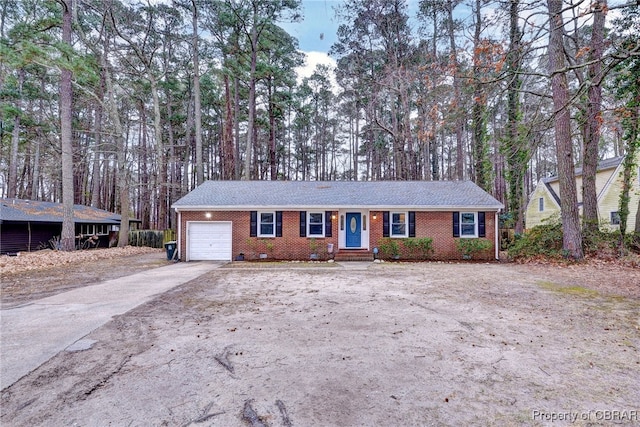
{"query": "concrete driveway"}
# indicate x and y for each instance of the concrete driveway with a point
(33, 333)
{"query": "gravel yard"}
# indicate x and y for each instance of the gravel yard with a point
(354, 345)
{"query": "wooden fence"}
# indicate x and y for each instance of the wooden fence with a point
(151, 238)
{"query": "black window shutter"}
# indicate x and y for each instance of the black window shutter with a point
(385, 224)
(327, 224)
(278, 223)
(303, 224)
(253, 231)
(456, 224)
(482, 230)
(412, 224)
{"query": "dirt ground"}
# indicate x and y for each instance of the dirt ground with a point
(40, 274)
(351, 345)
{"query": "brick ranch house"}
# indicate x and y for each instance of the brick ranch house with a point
(290, 220)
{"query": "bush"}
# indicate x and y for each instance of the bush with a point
(469, 247)
(632, 241)
(418, 248)
(601, 242)
(546, 241)
(389, 248)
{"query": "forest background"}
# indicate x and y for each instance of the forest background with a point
(128, 105)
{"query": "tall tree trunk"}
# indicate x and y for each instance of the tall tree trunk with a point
(35, 178)
(481, 162)
(236, 125)
(196, 92)
(457, 98)
(144, 194)
(252, 99)
(171, 179)
(593, 119)
(572, 236)
(228, 149)
(188, 145)
(97, 151)
(356, 142)
(121, 183)
(273, 165)
(12, 191)
(433, 113)
(516, 150)
(161, 163)
(67, 238)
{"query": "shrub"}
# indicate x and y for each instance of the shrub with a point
(389, 248)
(632, 241)
(418, 248)
(599, 241)
(544, 239)
(469, 247)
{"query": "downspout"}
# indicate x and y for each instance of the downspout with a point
(179, 235)
(496, 236)
(29, 241)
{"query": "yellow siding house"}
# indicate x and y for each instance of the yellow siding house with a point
(544, 202)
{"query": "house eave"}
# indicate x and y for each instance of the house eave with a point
(490, 208)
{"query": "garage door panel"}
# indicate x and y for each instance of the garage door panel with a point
(209, 241)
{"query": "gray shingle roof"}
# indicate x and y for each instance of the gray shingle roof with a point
(605, 164)
(37, 211)
(337, 194)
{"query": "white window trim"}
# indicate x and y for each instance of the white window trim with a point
(475, 226)
(309, 234)
(541, 204)
(92, 229)
(260, 224)
(406, 225)
(611, 218)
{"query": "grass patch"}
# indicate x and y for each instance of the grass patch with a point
(568, 290)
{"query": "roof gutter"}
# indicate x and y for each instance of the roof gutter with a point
(495, 208)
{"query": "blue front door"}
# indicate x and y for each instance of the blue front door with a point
(354, 234)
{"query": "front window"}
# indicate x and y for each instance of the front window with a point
(86, 229)
(468, 224)
(94, 229)
(399, 224)
(615, 218)
(541, 204)
(267, 224)
(315, 224)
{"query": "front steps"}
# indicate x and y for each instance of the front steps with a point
(353, 255)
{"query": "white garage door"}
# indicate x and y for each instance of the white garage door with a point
(209, 241)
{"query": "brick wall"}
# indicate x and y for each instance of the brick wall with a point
(439, 227)
(288, 247)
(436, 225)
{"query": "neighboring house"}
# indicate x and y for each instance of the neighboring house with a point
(545, 199)
(289, 220)
(27, 225)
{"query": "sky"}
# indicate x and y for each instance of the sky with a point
(315, 33)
